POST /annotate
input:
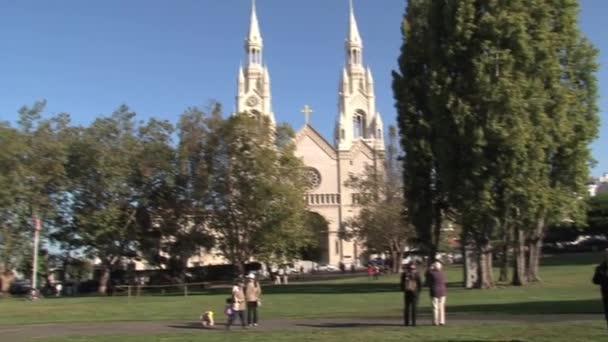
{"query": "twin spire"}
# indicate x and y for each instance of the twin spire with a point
(357, 117)
(254, 37)
(253, 43)
(354, 39)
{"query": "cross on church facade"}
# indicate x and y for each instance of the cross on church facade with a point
(306, 110)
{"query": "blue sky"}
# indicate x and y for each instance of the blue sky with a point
(160, 57)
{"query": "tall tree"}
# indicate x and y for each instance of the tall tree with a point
(493, 83)
(102, 201)
(418, 127)
(381, 221)
(257, 191)
(174, 193)
(31, 175)
(14, 238)
(569, 79)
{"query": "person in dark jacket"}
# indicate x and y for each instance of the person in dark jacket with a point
(411, 286)
(600, 277)
(438, 290)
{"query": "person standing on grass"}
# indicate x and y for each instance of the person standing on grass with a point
(600, 277)
(253, 291)
(370, 271)
(438, 290)
(411, 286)
(238, 303)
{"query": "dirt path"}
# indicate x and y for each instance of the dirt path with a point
(55, 330)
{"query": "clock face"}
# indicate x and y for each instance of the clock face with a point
(252, 101)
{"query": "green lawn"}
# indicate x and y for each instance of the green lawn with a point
(571, 332)
(567, 289)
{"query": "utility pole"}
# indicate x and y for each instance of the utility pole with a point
(37, 227)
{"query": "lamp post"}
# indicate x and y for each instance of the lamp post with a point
(37, 227)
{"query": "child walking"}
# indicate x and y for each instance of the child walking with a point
(237, 305)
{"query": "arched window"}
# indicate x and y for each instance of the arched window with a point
(359, 124)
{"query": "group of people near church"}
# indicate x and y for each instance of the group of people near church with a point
(246, 295)
(411, 285)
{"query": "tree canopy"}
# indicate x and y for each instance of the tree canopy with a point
(497, 107)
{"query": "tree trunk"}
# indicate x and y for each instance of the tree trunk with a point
(488, 275)
(241, 267)
(6, 279)
(470, 268)
(485, 279)
(535, 245)
(504, 263)
(397, 264)
(519, 259)
(104, 281)
(504, 260)
(437, 234)
(533, 260)
(394, 259)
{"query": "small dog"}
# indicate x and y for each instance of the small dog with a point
(207, 319)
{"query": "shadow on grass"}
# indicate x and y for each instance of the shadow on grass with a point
(572, 259)
(479, 340)
(197, 326)
(556, 308)
(349, 325)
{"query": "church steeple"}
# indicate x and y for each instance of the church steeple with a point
(253, 43)
(253, 90)
(353, 44)
(357, 118)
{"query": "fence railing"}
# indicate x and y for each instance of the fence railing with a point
(184, 289)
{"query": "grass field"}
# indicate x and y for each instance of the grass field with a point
(504, 333)
(567, 289)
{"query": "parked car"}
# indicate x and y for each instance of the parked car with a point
(415, 256)
(326, 268)
(289, 268)
(457, 258)
(20, 287)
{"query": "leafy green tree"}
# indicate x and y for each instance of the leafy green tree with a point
(257, 191)
(569, 78)
(14, 238)
(102, 203)
(174, 192)
(31, 175)
(418, 127)
(381, 221)
(597, 217)
(494, 83)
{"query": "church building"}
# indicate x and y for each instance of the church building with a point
(358, 136)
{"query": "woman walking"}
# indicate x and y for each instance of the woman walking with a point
(238, 304)
(253, 291)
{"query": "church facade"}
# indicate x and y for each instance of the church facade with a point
(358, 136)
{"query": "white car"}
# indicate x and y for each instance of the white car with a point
(326, 268)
